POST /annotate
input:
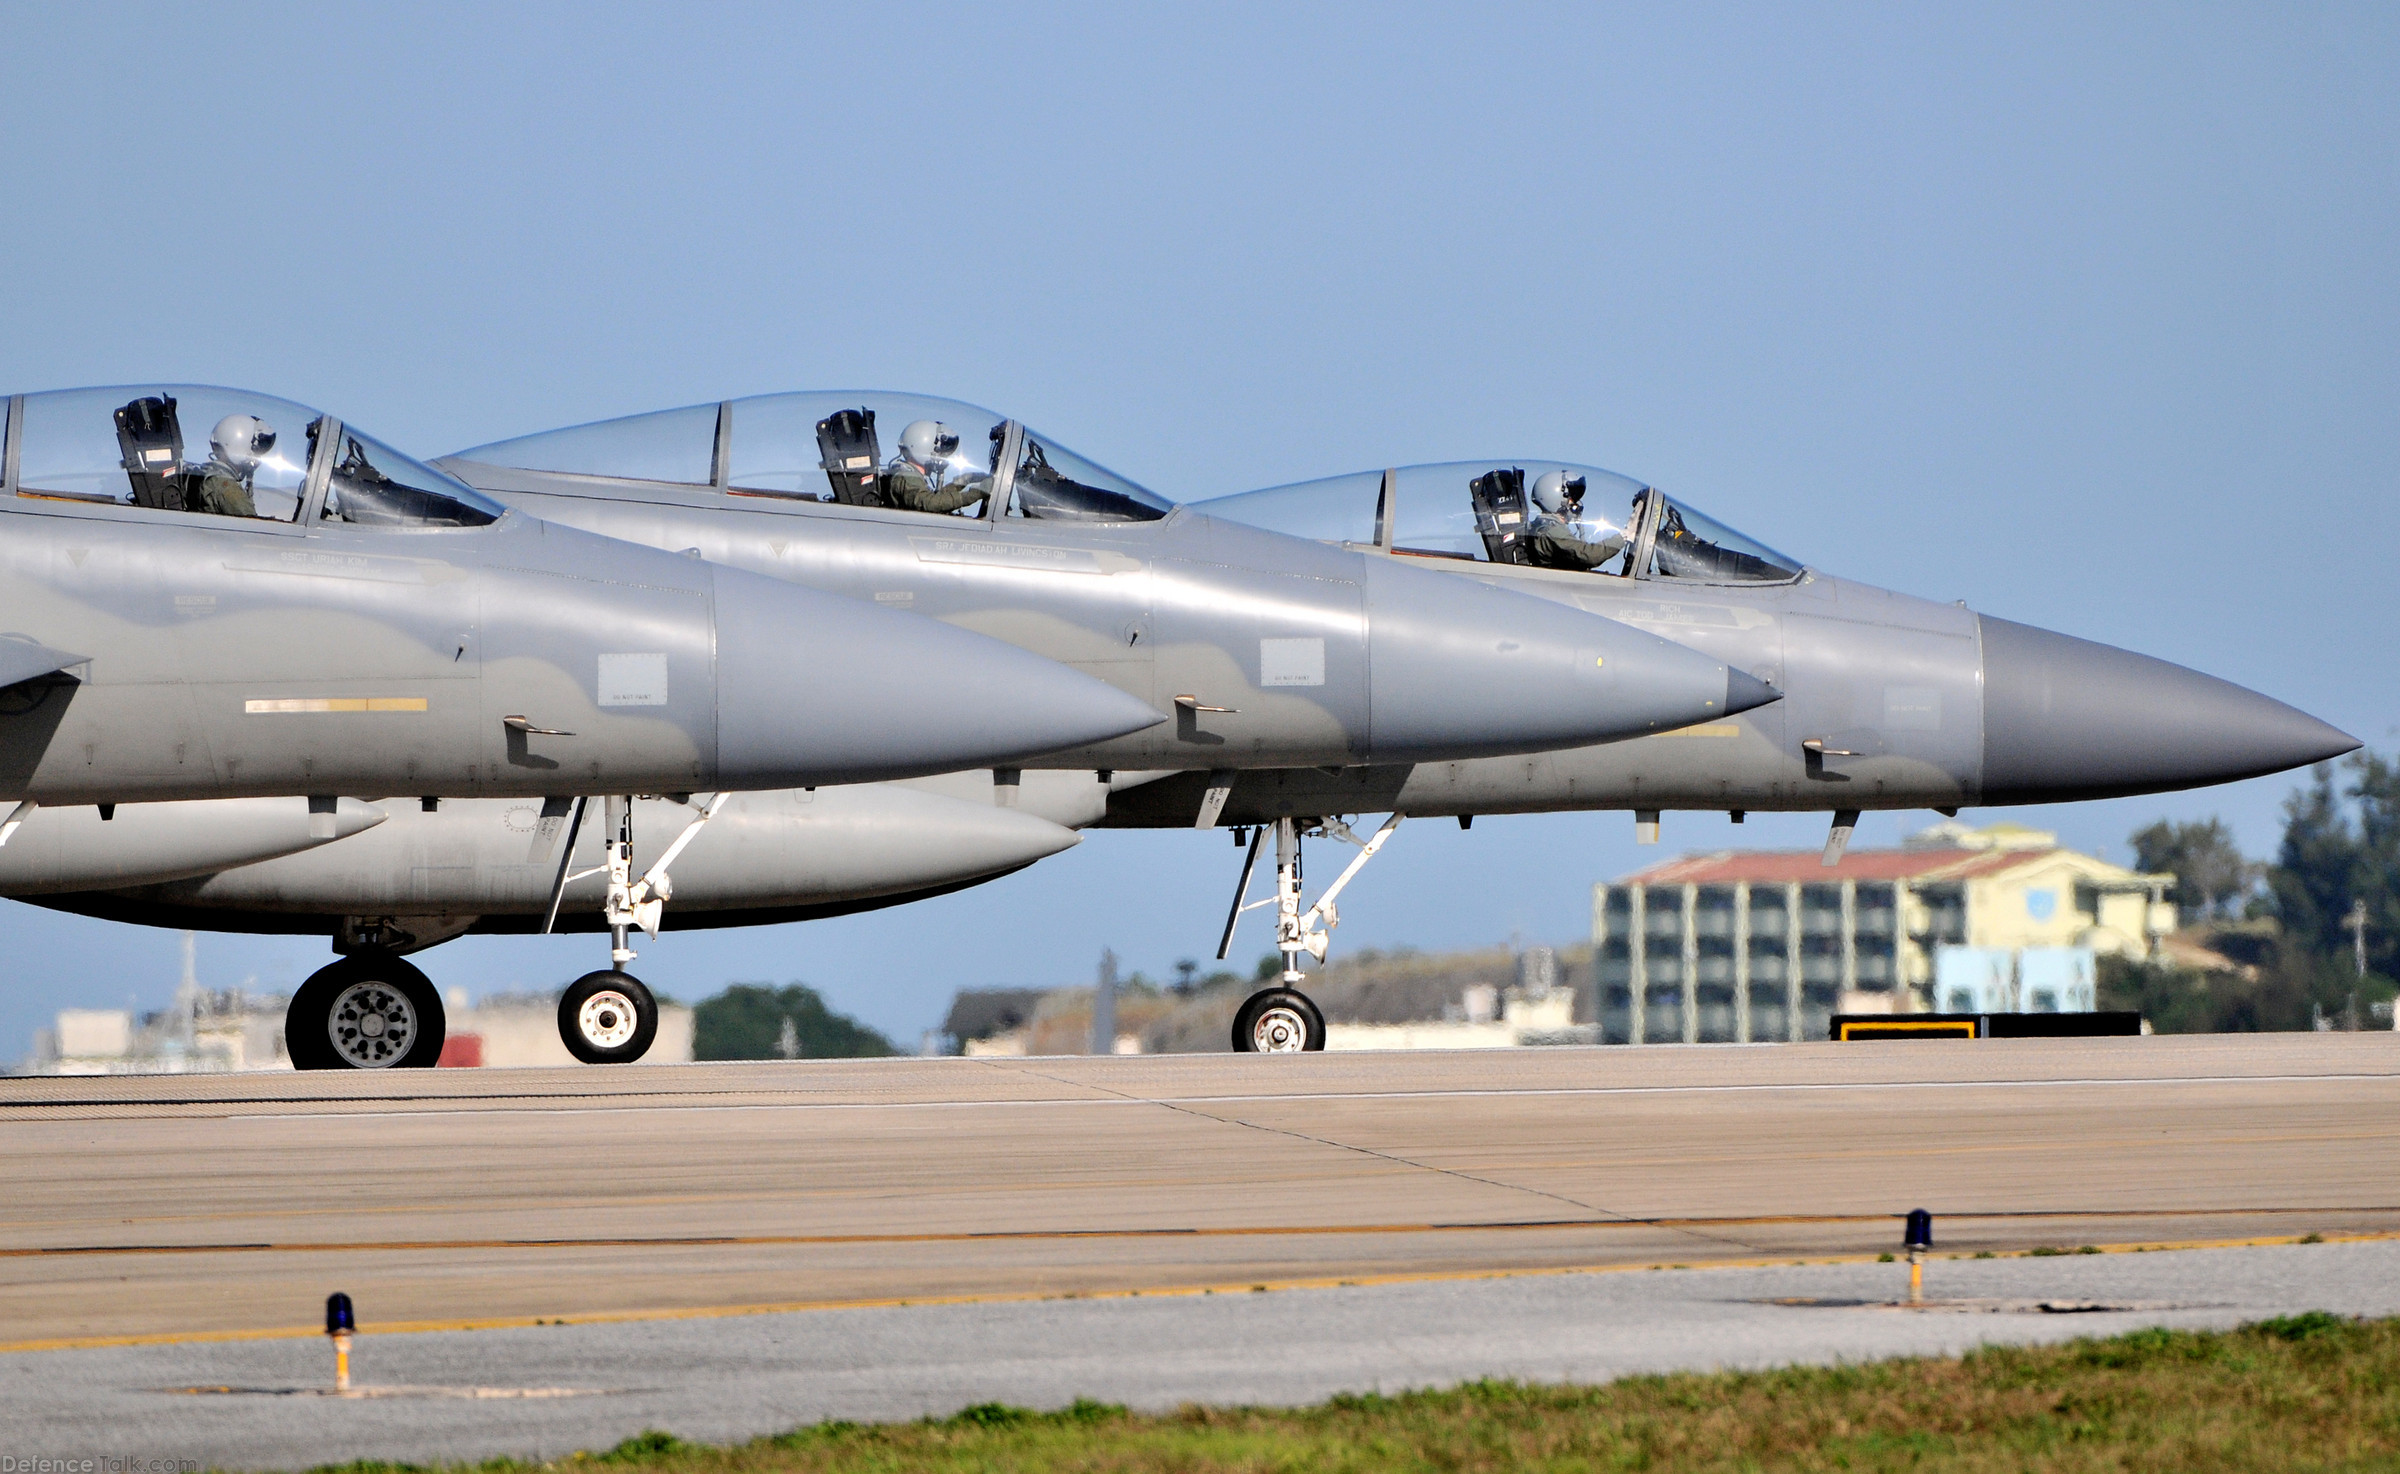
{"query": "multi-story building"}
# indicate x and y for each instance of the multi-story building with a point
(1763, 945)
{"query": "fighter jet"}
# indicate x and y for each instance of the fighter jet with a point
(1271, 653)
(304, 612)
(1890, 701)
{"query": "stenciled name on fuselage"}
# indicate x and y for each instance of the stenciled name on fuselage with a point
(1031, 557)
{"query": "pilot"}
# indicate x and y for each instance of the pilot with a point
(235, 448)
(1551, 542)
(914, 478)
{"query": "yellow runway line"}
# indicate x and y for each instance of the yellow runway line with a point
(1054, 1235)
(721, 1312)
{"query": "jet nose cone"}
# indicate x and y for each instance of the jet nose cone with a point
(2070, 719)
(1746, 692)
(1458, 669)
(816, 688)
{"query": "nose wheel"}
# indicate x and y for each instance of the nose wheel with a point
(607, 1018)
(371, 1011)
(1278, 1021)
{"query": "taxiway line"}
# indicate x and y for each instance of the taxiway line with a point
(1159, 1292)
(1291, 1230)
(633, 1103)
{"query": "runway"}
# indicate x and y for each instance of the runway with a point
(175, 1208)
(543, 1392)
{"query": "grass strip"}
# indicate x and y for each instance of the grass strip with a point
(2312, 1392)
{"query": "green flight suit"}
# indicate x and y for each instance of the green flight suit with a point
(216, 490)
(906, 487)
(1553, 544)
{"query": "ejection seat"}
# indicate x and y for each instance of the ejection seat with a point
(852, 458)
(151, 438)
(1499, 498)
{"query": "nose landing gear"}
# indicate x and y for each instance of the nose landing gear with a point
(1281, 1019)
(609, 1017)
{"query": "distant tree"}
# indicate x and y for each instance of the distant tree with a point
(2342, 846)
(1270, 967)
(2210, 873)
(2291, 992)
(2376, 877)
(755, 1021)
(2315, 874)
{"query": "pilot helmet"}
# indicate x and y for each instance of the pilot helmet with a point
(927, 442)
(1558, 493)
(241, 441)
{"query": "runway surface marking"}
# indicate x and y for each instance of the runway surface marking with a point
(1730, 1157)
(644, 1103)
(1951, 1216)
(1161, 1292)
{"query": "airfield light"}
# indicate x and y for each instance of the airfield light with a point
(1917, 1240)
(340, 1322)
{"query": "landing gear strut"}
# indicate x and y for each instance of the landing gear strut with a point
(609, 1017)
(1281, 1019)
(369, 1011)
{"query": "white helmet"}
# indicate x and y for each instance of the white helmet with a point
(241, 441)
(928, 441)
(1555, 492)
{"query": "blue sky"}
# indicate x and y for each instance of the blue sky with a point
(2086, 315)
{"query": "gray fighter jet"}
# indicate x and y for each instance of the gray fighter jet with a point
(302, 611)
(1890, 701)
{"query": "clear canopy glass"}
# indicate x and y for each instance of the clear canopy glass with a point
(171, 447)
(1434, 512)
(225, 453)
(862, 448)
(677, 445)
(846, 446)
(1053, 483)
(373, 485)
(1691, 545)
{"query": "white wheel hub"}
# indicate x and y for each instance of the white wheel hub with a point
(607, 1020)
(372, 1025)
(1280, 1029)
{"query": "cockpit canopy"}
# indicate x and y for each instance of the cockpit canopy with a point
(221, 452)
(1492, 511)
(903, 451)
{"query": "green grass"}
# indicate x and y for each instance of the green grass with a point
(2312, 1392)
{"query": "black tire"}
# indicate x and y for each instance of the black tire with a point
(373, 1011)
(592, 1020)
(1278, 1021)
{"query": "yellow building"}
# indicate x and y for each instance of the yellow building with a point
(1775, 942)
